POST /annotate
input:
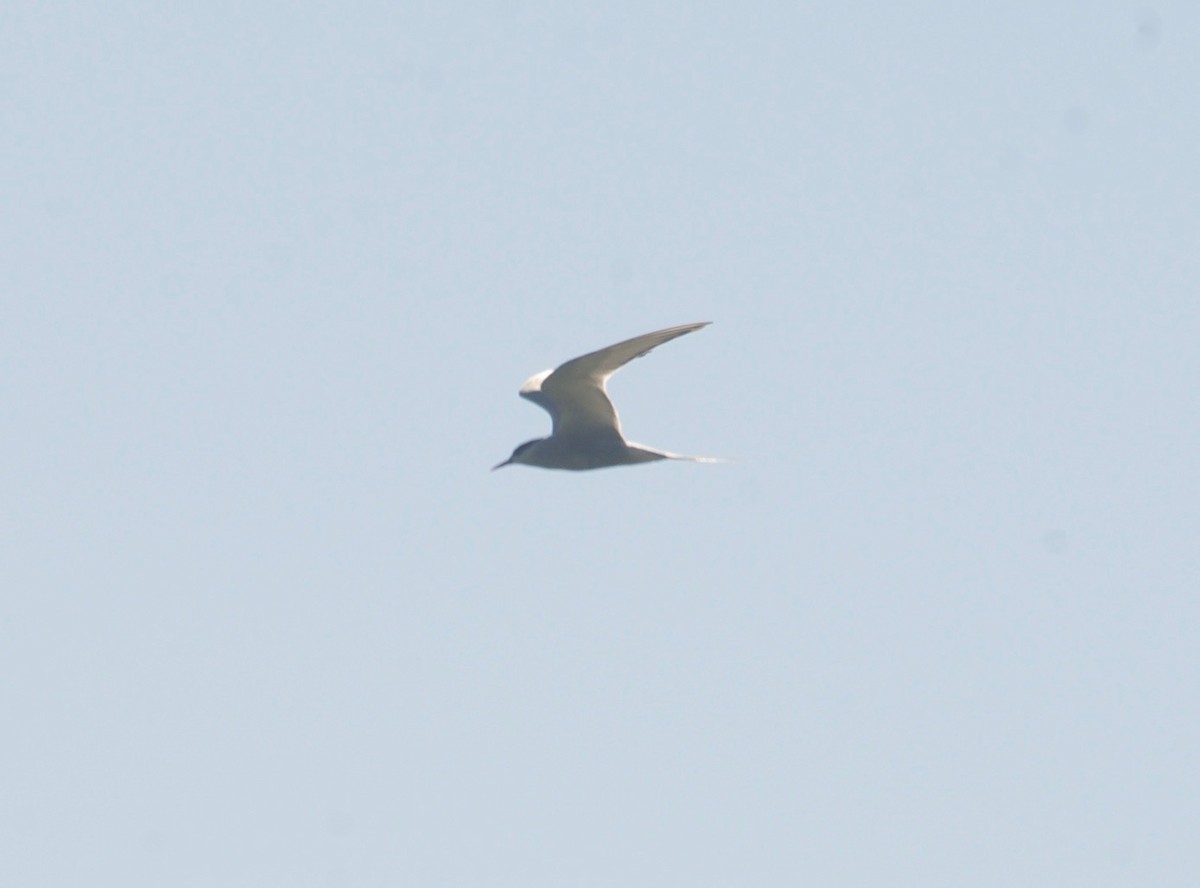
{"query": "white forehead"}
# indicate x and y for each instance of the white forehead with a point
(534, 383)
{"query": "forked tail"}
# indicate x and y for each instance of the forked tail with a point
(651, 453)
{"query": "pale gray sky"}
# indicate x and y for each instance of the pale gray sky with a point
(272, 276)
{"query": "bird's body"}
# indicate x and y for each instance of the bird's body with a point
(587, 431)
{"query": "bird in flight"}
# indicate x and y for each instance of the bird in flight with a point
(587, 432)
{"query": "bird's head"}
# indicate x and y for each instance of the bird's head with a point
(519, 454)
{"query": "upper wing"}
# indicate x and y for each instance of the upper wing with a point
(574, 394)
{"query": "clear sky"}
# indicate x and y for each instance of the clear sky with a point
(272, 274)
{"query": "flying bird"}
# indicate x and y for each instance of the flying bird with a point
(587, 432)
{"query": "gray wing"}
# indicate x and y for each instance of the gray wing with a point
(574, 394)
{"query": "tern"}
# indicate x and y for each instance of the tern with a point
(587, 432)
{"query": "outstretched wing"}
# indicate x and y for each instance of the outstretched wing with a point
(574, 394)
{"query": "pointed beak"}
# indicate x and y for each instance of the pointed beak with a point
(502, 464)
